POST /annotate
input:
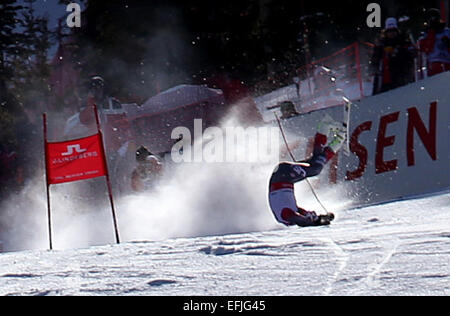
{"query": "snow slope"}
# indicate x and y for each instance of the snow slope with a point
(401, 248)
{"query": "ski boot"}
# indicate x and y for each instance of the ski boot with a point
(327, 125)
(339, 136)
(324, 220)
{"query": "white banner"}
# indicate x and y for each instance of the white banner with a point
(400, 142)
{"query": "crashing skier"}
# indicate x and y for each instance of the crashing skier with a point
(281, 187)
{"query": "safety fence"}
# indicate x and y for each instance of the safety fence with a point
(323, 82)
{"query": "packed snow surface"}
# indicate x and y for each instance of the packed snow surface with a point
(401, 248)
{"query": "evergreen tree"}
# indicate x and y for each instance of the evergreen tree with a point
(24, 73)
(9, 46)
(31, 64)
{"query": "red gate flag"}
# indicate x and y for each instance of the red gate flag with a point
(74, 160)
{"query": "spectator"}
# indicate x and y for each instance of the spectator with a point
(436, 44)
(96, 96)
(148, 172)
(393, 59)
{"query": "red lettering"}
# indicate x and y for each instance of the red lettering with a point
(382, 166)
(359, 150)
(428, 137)
(334, 169)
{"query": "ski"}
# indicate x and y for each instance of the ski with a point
(325, 220)
(346, 123)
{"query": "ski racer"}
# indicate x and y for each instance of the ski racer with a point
(281, 187)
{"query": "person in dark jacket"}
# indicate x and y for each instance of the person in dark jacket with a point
(149, 171)
(393, 59)
(436, 44)
(96, 95)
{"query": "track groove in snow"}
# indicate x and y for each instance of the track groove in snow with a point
(342, 258)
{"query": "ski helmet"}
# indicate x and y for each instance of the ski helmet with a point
(433, 16)
(97, 82)
(391, 23)
(153, 159)
(142, 153)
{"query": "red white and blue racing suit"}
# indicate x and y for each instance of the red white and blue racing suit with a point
(281, 187)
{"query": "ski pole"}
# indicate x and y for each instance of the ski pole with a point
(294, 160)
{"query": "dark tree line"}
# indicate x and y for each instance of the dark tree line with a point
(144, 46)
(24, 72)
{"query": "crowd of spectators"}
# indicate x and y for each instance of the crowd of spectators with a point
(393, 61)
